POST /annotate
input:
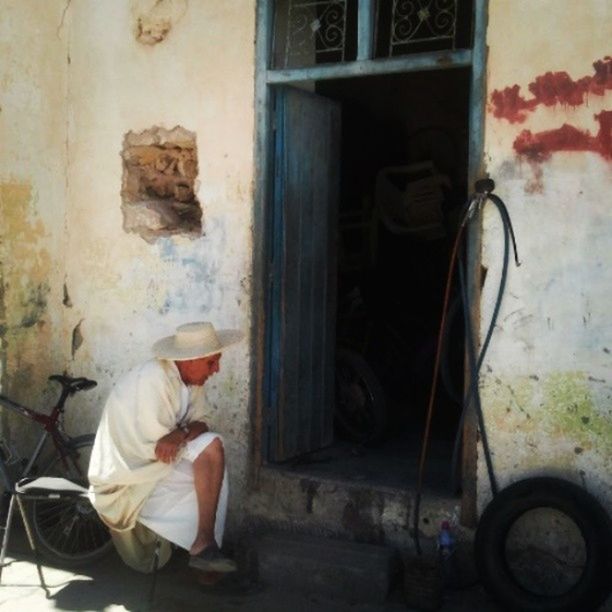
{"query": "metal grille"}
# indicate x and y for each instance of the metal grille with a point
(316, 32)
(422, 21)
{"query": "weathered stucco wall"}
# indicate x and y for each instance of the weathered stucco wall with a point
(547, 382)
(126, 292)
(33, 88)
(77, 76)
(111, 68)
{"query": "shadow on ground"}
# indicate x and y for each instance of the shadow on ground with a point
(110, 585)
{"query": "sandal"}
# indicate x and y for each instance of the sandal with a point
(212, 560)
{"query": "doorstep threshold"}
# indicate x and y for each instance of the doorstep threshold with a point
(330, 478)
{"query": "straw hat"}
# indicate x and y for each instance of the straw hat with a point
(195, 340)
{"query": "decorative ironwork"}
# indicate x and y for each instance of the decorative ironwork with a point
(419, 21)
(316, 32)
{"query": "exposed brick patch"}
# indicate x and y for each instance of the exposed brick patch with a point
(159, 180)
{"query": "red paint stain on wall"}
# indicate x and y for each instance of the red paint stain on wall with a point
(550, 89)
(558, 88)
(541, 145)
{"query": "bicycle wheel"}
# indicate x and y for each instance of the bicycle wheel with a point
(360, 413)
(69, 531)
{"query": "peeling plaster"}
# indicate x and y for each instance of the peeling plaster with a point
(198, 267)
(155, 18)
(160, 168)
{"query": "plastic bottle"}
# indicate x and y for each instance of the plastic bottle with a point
(446, 553)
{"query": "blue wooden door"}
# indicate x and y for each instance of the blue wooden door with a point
(303, 295)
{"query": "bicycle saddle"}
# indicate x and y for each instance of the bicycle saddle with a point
(74, 384)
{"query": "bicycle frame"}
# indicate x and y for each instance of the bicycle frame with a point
(51, 429)
(65, 525)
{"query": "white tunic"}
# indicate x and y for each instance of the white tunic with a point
(128, 483)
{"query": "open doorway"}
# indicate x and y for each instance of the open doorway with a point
(402, 161)
(404, 167)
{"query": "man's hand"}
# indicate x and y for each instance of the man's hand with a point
(196, 428)
(167, 447)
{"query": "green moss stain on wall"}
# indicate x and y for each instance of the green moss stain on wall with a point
(548, 421)
(25, 270)
(569, 410)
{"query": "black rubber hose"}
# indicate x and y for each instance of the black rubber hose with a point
(474, 375)
(484, 193)
(475, 365)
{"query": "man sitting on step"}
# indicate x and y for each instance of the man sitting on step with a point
(156, 469)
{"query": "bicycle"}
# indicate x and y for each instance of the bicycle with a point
(67, 531)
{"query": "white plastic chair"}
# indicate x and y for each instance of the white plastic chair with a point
(40, 488)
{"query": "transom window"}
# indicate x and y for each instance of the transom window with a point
(312, 32)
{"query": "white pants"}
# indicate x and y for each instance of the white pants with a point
(172, 508)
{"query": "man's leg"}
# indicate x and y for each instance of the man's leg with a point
(208, 470)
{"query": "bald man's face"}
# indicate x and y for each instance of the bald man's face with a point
(198, 371)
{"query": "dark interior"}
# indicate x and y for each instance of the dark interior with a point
(392, 269)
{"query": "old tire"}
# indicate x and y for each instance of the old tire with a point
(593, 585)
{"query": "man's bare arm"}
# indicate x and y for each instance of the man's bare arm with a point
(168, 446)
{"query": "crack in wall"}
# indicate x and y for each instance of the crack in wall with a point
(63, 17)
(77, 338)
(66, 301)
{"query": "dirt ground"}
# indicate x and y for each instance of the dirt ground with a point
(110, 585)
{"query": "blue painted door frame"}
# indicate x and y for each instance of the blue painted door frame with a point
(266, 80)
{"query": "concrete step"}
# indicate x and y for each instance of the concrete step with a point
(330, 568)
(324, 507)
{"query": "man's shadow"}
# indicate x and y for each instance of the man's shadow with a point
(111, 582)
(106, 582)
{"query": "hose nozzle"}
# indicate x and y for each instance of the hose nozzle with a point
(484, 186)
